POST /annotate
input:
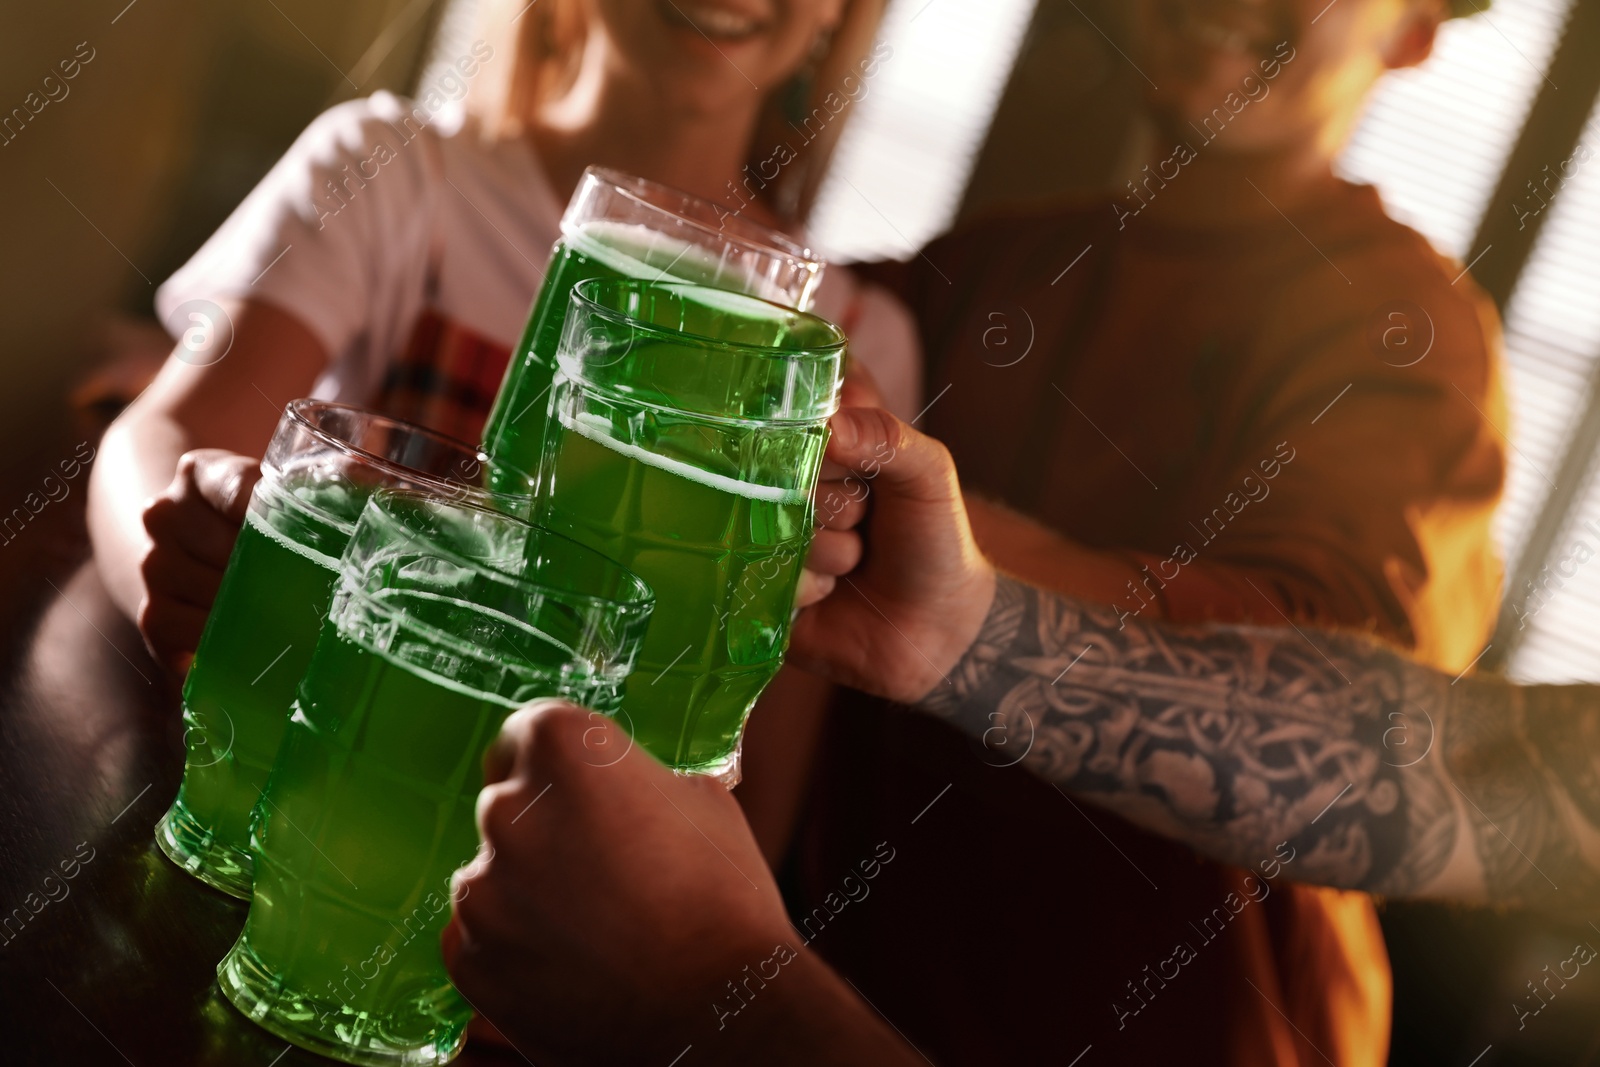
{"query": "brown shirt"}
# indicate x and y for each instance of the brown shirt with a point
(1277, 423)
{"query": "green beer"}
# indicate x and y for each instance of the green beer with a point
(428, 646)
(322, 465)
(689, 430)
(618, 226)
(257, 643)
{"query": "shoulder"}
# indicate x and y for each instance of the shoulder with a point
(1377, 279)
(389, 154)
(362, 153)
(1398, 254)
(352, 199)
(1386, 254)
(357, 127)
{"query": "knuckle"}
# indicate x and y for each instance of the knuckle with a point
(559, 728)
(202, 458)
(891, 430)
(465, 902)
(471, 900)
(190, 472)
(850, 550)
(157, 514)
(463, 888)
(153, 623)
(498, 806)
(233, 484)
(152, 564)
(814, 587)
(221, 491)
(833, 552)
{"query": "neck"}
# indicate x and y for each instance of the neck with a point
(611, 119)
(1219, 189)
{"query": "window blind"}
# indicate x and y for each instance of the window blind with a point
(1435, 138)
(1553, 343)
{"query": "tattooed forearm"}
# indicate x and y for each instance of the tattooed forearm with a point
(1384, 774)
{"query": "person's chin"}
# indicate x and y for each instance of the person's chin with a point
(1193, 92)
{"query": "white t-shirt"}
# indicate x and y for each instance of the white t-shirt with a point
(377, 200)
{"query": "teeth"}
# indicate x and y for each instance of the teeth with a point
(718, 21)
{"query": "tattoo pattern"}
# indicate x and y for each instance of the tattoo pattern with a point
(1234, 739)
(1564, 726)
(1528, 796)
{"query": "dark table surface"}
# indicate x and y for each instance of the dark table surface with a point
(116, 963)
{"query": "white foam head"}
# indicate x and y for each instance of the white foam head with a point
(598, 430)
(637, 251)
(265, 529)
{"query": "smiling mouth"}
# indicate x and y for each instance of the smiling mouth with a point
(1228, 26)
(714, 21)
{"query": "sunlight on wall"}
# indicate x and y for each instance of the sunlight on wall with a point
(903, 161)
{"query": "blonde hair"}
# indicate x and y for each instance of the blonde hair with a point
(538, 57)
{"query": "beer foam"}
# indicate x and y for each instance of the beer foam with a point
(265, 528)
(598, 430)
(636, 251)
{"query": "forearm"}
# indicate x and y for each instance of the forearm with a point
(1381, 774)
(231, 404)
(136, 460)
(1149, 586)
(779, 755)
(807, 1015)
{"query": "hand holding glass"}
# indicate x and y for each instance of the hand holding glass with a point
(446, 618)
(323, 462)
(687, 431)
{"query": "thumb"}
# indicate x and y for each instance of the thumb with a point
(222, 479)
(880, 447)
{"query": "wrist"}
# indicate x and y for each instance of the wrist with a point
(972, 637)
(965, 616)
